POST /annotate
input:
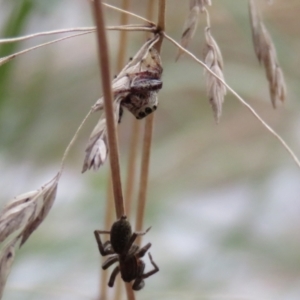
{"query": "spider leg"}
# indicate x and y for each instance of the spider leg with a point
(155, 270)
(111, 260)
(143, 250)
(107, 246)
(113, 276)
(134, 249)
(133, 238)
(103, 248)
(121, 111)
(139, 282)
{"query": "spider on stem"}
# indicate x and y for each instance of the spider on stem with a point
(126, 253)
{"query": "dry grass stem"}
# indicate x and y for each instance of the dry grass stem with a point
(252, 110)
(131, 170)
(30, 36)
(144, 174)
(109, 109)
(266, 54)
(132, 157)
(216, 90)
(129, 27)
(8, 58)
(109, 216)
(129, 13)
(123, 41)
(147, 141)
(129, 291)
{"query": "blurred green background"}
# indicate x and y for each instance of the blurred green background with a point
(224, 200)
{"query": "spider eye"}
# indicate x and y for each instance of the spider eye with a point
(141, 115)
(154, 107)
(148, 110)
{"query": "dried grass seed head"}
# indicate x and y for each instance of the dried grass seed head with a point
(189, 28)
(266, 54)
(216, 90)
(23, 214)
(7, 257)
(200, 3)
(97, 148)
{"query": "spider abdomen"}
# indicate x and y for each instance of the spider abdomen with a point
(120, 234)
(131, 268)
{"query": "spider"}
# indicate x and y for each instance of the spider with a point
(140, 98)
(126, 253)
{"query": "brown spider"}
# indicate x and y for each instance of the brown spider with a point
(128, 254)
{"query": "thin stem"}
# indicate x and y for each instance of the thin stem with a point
(30, 36)
(257, 116)
(130, 27)
(132, 161)
(123, 36)
(107, 225)
(12, 56)
(108, 107)
(119, 288)
(129, 291)
(161, 22)
(207, 16)
(123, 45)
(142, 195)
(74, 138)
(132, 157)
(129, 13)
(147, 141)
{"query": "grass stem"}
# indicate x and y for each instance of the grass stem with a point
(108, 107)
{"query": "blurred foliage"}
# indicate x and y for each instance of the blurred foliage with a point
(16, 22)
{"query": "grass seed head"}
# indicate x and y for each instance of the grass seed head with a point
(266, 54)
(189, 28)
(216, 90)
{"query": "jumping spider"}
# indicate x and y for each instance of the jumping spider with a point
(126, 253)
(141, 96)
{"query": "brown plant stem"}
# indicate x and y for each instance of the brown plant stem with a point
(107, 224)
(108, 107)
(132, 161)
(142, 194)
(123, 45)
(147, 141)
(123, 41)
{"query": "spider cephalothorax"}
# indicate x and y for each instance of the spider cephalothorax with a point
(128, 254)
(141, 104)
